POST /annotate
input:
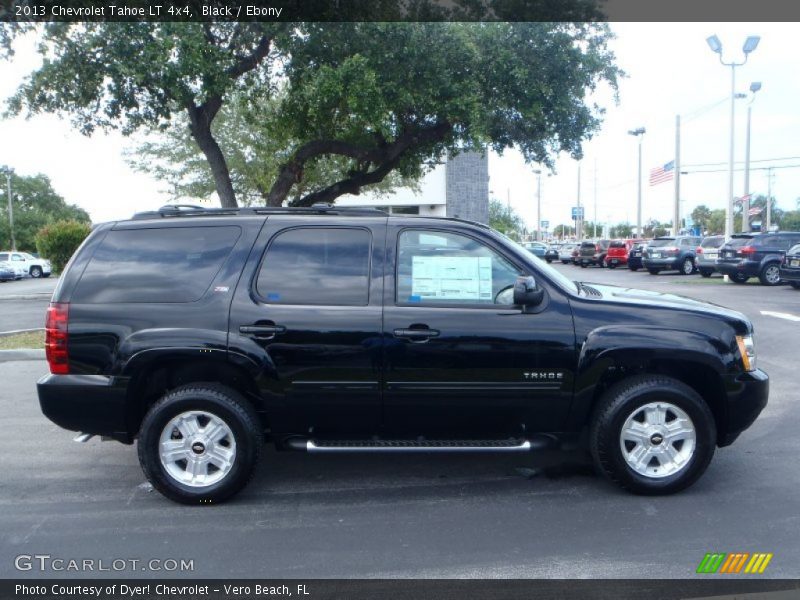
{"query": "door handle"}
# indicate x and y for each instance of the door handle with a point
(262, 331)
(416, 335)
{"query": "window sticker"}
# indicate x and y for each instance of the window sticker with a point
(452, 278)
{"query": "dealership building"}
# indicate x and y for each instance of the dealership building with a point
(459, 187)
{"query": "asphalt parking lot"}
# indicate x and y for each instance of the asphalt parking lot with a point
(443, 516)
(23, 303)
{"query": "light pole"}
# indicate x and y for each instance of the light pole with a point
(750, 44)
(639, 132)
(538, 204)
(754, 87)
(7, 171)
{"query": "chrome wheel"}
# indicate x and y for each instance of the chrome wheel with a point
(772, 274)
(688, 267)
(197, 448)
(658, 440)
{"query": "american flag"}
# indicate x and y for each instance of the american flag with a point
(663, 173)
(754, 211)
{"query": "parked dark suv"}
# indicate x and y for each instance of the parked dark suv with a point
(203, 333)
(790, 267)
(671, 254)
(748, 255)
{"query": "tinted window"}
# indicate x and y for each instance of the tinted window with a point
(169, 264)
(794, 249)
(738, 242)
(317, 265)
(446, 268)
(4, 256)
(617, 244)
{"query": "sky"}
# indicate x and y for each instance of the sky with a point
(670, 71)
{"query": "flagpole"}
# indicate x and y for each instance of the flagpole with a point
(676, 217)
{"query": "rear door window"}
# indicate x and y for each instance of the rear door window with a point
(167, 264)
(317, 266)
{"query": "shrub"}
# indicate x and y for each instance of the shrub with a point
(58, 241)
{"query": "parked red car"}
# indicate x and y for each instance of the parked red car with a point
(618, 251)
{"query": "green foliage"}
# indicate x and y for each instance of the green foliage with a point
(790, 220)
(504, 219)
(354, 100)
(701, 216)
(35, 204)
(58, 241)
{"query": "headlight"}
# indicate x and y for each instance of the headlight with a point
(747, 349)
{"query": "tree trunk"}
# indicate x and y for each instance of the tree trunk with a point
(200, 118)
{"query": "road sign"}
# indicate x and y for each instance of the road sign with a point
(545, 224)
(577, 212)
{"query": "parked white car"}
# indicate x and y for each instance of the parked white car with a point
(26, 264)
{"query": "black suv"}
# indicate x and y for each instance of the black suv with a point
(203, 333)
(671, 254)
(748, 255)
(593, 253)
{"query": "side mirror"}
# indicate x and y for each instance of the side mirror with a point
(526, 292)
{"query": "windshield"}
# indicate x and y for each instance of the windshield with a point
(712, 242)
(794, 249)
(551, 273)
(662, 242)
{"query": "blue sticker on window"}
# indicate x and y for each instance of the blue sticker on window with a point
(415, 298)
(273, 297)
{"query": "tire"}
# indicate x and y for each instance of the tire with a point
(706, 273)
(770, 274)
(549, 260)
(36, 272)
(795, 284)
(618, 409)
(583, 265)
(564, 262)
(654, 271)
(739, 278)
(634, 269)
(197, 402)
(687, 266)
(612, 266)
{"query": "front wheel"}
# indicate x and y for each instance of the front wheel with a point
(199, 444)
(36, 272)
(634, 269)
(705, 273)
(795, 284)
(654, 271)
(652, 434)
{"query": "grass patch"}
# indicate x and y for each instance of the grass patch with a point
(33, 339)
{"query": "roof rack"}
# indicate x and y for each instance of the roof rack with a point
(191, 210)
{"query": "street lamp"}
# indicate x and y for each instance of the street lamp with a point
(639, 132)
(754, 87)
(750, 44)
(7, 171)
(538, 173)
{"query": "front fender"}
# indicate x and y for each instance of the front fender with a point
(610, 353)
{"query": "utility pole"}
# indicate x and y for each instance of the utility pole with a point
(595, 199)
(578, 219)
(10, 209)
(769, 199)
(676, 213)
(538, 204)
(639, 132)
(754, 87)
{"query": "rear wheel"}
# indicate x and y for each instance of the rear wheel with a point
(634, 269)
(612, 266)
(687, 266)
(770, 274)
(706, 272)
(654, 271)
(200, 443)
(652, 435)
(36, 272)
(795, 284)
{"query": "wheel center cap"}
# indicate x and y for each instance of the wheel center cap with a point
(198, 448)
(656, 439)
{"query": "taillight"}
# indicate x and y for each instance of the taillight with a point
(699, 250)
(55, 338)
(747, 250)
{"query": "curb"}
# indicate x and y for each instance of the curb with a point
(22, 354)
(39, 296)
(17, 331)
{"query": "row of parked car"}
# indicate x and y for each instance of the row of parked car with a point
(16, 265)
(772, 257)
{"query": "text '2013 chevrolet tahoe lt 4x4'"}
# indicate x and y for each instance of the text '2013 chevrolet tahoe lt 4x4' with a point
(202, 333)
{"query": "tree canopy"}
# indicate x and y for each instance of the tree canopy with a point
(355, 101)
(35, 205)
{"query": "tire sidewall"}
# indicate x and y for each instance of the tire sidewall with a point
(608, 437)
(36, 272)
(149, 439)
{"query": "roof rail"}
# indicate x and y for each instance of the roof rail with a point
(190, 210)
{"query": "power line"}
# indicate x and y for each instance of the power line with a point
(726, 170)
(714, 164)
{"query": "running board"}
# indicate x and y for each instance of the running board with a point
(416, 446)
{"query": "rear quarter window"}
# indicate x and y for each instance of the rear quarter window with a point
(167, 264)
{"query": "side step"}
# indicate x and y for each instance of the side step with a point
(410, 446)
